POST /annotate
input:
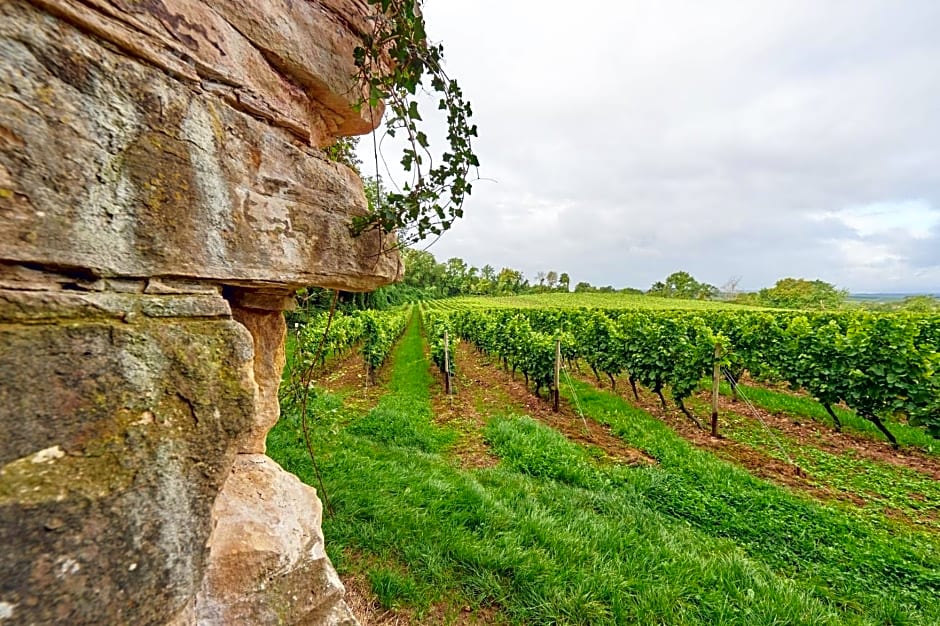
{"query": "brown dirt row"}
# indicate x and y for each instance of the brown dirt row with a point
(464, 411)
(806, 432)
(483, 377)
(810, 432)
(765, 466)
(754, 461)
(498, 391)
(483, 389)
(348, 377)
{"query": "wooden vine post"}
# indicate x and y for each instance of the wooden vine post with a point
(557, 374)
(716, 379)
(446, 363)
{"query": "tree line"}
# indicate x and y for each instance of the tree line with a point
(427, 279)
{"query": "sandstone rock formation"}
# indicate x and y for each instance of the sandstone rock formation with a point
(268, 564)
(161, 196)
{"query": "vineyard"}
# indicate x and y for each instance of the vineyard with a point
(327, 336)
(881, 366)
(819, 503)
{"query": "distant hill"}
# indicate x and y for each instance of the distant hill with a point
(886, 297)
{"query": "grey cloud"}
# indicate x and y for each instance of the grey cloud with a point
(633, 139)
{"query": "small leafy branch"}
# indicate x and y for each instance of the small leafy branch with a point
(394, 61)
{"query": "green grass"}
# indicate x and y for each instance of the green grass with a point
(807, 407)
(881, 485)
(853, 560)
(549, 536)
(530, 448)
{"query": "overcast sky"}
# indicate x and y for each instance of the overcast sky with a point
(758, 139)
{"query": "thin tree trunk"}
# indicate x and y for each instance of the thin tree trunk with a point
(734, 385)
(662, 400)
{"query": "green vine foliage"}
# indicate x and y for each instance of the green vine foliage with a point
(396, 63)
(343, 151)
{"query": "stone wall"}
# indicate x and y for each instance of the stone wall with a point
(161, 197)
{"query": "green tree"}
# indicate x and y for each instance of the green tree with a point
(486, 284)
(473, 275)
(510, 281)
(483, 287)
(552, 279)
(564, 282)
(455, 277)
(799, 293)
(682, 285)
(422, 270)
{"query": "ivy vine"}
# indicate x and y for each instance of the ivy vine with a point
(395, 62)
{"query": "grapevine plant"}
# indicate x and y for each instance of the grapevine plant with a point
(322, 338)
(883, 366)
(396, 62)
(435, 324)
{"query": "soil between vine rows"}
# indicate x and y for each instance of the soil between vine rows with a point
(481, 381)
(809, 432)
(483, 389)
(348, 376)
(763, 464)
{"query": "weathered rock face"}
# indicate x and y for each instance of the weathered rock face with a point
(266, 547)
(115, 167)
(117, 438)
(268, 331)
(161, 196)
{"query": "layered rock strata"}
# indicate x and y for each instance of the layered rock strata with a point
(161, 196)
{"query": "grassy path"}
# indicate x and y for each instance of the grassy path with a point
(902, 487)
(853, 560)
(553, 535)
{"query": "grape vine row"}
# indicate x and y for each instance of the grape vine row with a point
(883, 366)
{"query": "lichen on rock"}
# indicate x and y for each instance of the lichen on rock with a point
(162, 194)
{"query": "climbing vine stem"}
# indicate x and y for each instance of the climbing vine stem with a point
(396, 62)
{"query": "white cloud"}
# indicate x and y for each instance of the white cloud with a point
(913, 219)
